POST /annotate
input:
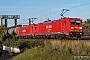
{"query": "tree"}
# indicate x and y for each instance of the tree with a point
(86, 26)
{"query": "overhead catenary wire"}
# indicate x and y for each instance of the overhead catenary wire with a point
(68, 8)
(76, 12)
(52, 7)
(58, 11)
(80, 5)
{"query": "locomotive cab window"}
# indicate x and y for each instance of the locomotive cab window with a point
(64, 22)
(78, 21)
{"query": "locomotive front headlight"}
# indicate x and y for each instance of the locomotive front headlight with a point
(80, 27)
(72, 27)
(71, 33)
(80, 33)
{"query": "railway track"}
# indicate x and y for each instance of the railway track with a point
(82, 38)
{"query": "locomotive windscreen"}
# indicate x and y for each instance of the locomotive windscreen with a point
(75, 21)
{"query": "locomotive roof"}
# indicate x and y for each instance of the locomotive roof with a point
(49, 21)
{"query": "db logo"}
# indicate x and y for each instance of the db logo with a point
(48, 26)
(24, 30)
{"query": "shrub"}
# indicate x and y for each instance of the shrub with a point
(30, 44)
(11, 42)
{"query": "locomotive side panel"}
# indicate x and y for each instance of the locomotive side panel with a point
(56, 27)
(24, 30)
(41, 28)
(47, 28)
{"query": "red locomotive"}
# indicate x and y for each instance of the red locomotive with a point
(62, 28)
(26, 32)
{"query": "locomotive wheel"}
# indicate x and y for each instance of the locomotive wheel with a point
(67, 37)
(78, 36)
(60, 38)
(44, 37)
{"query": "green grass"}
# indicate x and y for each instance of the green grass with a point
(55, 50)
(39, 53)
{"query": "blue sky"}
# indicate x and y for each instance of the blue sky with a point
(44, 9)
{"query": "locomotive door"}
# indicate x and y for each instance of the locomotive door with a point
(34, 29)
(63, 24)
